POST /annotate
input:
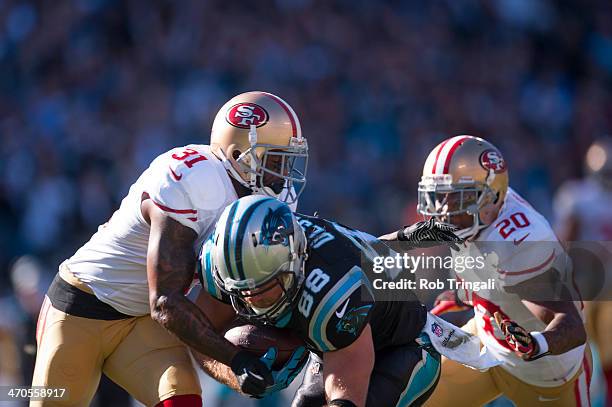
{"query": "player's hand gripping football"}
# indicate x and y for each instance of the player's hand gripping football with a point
(252, 373)
(285, 375)
(448, 301)
(517, 337)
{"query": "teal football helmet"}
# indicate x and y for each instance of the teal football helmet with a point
(257, 246)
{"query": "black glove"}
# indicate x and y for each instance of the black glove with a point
(429, 233)
(252, 374)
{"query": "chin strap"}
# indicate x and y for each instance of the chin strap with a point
(474, 210)
(231, 170)
(252, 183)
(473, 230)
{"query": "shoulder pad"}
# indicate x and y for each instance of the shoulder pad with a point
(521, 244)
(204, 182)
(170, 197)
(185, 189)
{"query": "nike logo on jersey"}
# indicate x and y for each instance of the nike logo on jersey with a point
(519, 241)
(174, 175)
(340, 314)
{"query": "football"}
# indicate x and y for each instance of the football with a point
(258, 339)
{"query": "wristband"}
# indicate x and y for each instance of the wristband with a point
(401, 236)
(542, 344)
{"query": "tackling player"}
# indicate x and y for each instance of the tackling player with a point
(304, 273)
(118, 306)
(542, 342)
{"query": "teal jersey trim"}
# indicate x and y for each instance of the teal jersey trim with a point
(329, 304)
(423, 377)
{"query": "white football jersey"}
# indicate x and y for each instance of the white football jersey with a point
(191, 186)
(589, 202)
(518, 246)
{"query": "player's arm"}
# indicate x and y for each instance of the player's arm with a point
(171, 263)
(347, 371)
(426, 234)
(221, 316)
(564, 330)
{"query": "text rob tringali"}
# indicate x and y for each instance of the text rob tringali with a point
(437, 284)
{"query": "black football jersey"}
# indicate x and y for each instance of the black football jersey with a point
(336, 301)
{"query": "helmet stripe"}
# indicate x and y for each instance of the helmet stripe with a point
(445, 153)
(451, 152)
(205, 273)
(244, 220)
(440, 147)
(297, 132)
(226, 238)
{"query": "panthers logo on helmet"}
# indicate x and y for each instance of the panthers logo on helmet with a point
(353, 320)
(492, 160)
(243, 115)
(277, 227)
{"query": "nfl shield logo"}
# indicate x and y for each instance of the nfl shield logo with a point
(436, 329)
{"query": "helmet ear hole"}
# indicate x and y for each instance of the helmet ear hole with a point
(489, 211)
(236, 154)
(488, 214)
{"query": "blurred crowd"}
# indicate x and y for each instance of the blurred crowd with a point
(92, 90)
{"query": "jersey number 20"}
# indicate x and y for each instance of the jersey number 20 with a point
(519, 220)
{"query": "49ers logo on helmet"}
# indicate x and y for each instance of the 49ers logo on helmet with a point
(244, 115)
(492, 160)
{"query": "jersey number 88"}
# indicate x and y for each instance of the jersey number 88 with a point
(316, 280)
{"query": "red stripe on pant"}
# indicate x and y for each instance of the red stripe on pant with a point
(587, 370)
(185, 400)
(577, 392)
(42, 319)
